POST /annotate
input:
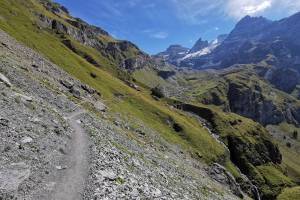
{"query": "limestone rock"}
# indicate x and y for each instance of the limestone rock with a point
(5, 80)
(26, 140)
(220, 174)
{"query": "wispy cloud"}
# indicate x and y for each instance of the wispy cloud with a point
(155, 34)
(159, 35)
(193, 11)
(238, 8)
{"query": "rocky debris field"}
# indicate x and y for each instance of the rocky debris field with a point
(45, 147)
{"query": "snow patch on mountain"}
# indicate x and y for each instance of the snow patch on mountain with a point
(207, 50)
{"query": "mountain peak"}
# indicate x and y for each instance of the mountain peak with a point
(249, 20)
(249, 26)
(200, 44)
(176, 46)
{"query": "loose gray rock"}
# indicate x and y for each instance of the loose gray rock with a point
(5, 80)
(26, 140)
(88, 89)
(24, 97)
(76, 93)
(100, 106)
(220, 174)
(11, 176)
(67, 84)
(107, 174)
(4, 122)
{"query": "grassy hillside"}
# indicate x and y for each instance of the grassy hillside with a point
(289, 144)
(290, 193)
(250, 148)
(17, 18)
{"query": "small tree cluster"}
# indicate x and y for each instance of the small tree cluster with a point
(295, 135)
(158, 92)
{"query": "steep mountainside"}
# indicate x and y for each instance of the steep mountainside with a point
(254, 39)
(58, 141)
(200, 44)
(184, 57)
(195, 52)
(162, 133)
(173, 54)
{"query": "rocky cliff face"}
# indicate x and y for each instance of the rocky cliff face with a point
(199, 55)
(256, 99)
(285, 79)
(254, 38)
(200, 44)
(245, 154)
(184, 57)
(124, 54)
(173, 54)
(74, 28)
(250, 102)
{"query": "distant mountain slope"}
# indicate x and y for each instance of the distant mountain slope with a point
(254, 38)
(173, 53)
(181, 56)
(200, 44)
(206, 49)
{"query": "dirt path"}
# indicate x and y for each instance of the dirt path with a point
(73, 183)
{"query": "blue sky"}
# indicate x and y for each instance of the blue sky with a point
(155, 24)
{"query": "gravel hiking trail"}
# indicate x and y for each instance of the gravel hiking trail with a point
(73, 182)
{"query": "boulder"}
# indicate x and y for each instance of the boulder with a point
(132, 85)
(4, 122)
(88, 89)
(100, 106)
(24, 98)
(108, 175)
(5, 80)
(220, 174)
(26, 140)
(76, 93)
(67, 84)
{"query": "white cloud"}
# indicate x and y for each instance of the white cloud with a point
(159, 35)
(238, 9)
(253, 9)
(193, 11)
